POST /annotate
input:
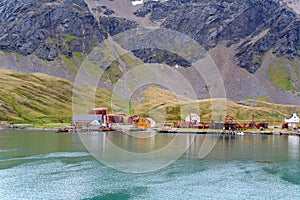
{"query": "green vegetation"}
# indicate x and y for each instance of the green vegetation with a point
(295, 65)
(160, 100)
(113, 73)
(280, 75)
(69, 62)
(69, 38)
(130, 109)
(38, 98)
(78, 56)
(49, 40)
(265, 98)
(74, 62)
(41, 99)
(130, 61)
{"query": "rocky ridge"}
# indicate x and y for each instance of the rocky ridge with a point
(48, 28)
(228, 21)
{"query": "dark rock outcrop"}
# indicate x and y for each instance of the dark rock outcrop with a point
(230, 21)
(161, 56)
(48, 28)
(114, 25)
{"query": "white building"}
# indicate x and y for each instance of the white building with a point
(192, 118)
(292, 119)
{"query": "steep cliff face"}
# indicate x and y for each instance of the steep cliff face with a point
(48, 28)
(228, 21)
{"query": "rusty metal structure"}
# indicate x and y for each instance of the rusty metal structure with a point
(116, 118)
(230, 124)
(204, 125)
(133, 119)
(285, 126)
(185, 124)
(258, 125)
(100, 111)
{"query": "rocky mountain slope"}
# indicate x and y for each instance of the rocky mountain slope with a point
(294, 4)
(48, 28)
(254, 43)
(273, 25)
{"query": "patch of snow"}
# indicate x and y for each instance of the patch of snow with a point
(139, 2)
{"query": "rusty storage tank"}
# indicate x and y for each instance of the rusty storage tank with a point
(116, 118)
(99, 111)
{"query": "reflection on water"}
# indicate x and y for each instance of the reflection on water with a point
(293, 147)
(136, 152)
(45, 165)
(272, 148)
(264, 148)
(228, 147)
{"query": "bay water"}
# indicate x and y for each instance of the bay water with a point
(48, 165)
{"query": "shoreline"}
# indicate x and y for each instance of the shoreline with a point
(179, 131)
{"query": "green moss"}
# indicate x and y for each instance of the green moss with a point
(69, 62)
(112, 73)
(69, 38)
(78, 55)
(280, 75)
(265, 98)
(130, 62)
(49, 40)
(296, 67)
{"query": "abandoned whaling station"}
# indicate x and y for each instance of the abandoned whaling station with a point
(101, 120)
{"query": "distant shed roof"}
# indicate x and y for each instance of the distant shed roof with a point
(86, 117)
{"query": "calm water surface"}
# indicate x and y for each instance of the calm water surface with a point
(45, 165)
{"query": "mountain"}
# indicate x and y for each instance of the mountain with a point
(54, 33)
(257, 26)
(41, 99)
(254, 43)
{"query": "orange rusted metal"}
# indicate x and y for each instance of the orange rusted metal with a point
(133, 119)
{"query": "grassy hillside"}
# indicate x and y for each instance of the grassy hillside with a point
(38, 98)
(155, 98)
(284, 73)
